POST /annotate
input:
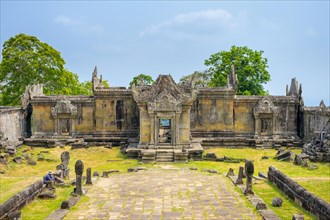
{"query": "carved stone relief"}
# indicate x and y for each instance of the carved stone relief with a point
(64, 113)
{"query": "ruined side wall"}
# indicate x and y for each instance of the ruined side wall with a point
(19, 200)
(243, 118)
(43, 122)
(314, 120)
(212, 113)
(228, 120)
(287, 120)
(116, 112)
(11, 124)
(84, 123)
(300, 195)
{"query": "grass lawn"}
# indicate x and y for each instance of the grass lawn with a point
(19, 176)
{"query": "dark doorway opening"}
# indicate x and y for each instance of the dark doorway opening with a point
(164, 135)
(28, 120)
(119, 114)
(65, 126)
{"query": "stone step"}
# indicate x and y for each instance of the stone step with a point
(165, 154)
(162, 157)
(165, 160)
(164, 147)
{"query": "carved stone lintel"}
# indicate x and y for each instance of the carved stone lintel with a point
(64, 106)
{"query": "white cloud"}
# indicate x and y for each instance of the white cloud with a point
(78, 25)
(207, 20)
(62, 19)
(310, 32)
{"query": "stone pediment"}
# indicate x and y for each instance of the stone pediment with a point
(164, 94)
(64, 107)
(265, 105)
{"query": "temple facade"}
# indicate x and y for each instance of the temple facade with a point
(166, 121)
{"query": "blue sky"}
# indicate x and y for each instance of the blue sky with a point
(126, 38)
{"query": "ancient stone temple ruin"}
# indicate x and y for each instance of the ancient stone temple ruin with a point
(167, 121)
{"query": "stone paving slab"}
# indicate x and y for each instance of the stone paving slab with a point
(163, 194)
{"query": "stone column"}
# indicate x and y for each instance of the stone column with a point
(79, 169)
(153, 128)
(249, 170)
(89, 176)
(177, 128)
(256, 125)
(239, 179)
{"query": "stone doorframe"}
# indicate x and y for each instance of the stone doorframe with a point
(64, 110)
(265, 114)
(174, 117)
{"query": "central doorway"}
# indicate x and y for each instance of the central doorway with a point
(164, 134)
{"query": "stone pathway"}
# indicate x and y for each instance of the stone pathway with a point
(163, 194)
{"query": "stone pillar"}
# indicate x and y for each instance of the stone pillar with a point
(249, 170)
(239, 179)
(153, 129)
(256, 125)
(89, 176)
(177, 128)
(79, 169)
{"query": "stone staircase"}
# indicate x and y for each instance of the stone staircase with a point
(164, 155)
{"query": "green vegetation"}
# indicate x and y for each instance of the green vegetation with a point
(142, 79)
(202, 79)
(25, 61)
(250, 67)
(19, 176)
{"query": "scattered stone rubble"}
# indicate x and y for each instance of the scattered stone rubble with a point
(319, 148)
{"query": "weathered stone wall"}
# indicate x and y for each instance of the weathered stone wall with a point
(43, 122)
(216, 115)
(225, 117)
(19, 200)
(104, 114)
(314, 120)
(115, 111)
(11, 124)
(299, 194)
(212, 111)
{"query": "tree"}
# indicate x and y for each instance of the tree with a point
(202, 79)
(86, 87)
(26, 60)
(250, 67)
(142, 79)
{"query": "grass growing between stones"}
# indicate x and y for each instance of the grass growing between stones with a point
(316, 181)
(41, 208)
(267, 191)
(19, 176)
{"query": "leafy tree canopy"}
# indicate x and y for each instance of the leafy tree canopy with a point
(142, 79)
(86, 87)
(250, 67)
(26, 60)
(202, 79)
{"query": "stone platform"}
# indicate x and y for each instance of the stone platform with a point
(163, 194)
(165, 153)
